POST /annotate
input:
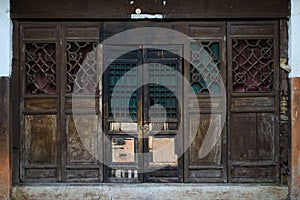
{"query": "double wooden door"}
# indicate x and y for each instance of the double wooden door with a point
(142, 115)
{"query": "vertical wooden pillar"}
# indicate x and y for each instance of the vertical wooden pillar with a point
(5, 169)
(295, 144)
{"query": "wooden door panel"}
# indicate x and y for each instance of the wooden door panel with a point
(207, 73)
(40, 104)
(243, 137)
(253, 101)
(253, 173)
(266, 136)
(40, 142)
(82, 155)
(39, 61)
(40, 157)
(82, 147)
(214, 157)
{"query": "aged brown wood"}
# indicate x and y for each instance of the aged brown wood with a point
(284, 125)
(81, 145)
(40, 138)
(196, 169)
(255, 160)
(15, 100)
(253, 115)
(38, 106)
(94, 9)
(283, 39)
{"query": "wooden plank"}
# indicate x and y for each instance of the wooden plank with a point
(243, 137)
(251, 102)
(119, 9)
(206, 29)
(252, 29)
(266, 137)
(15, 98)
(40, 104)
(248, 9)
(40, 131)
(283, 39)
(284, 125)
(253, 173)
(214, 156)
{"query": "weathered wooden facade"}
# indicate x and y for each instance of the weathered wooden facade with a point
(246, 41)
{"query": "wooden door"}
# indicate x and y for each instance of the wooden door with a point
(206, 73)
(52, 150)
(140, 148)
(253, 101)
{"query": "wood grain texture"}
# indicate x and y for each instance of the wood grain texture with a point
(119, 9)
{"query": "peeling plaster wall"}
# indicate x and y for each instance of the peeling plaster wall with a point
(5, 39)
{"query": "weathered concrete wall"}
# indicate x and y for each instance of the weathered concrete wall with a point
(150, 191)
(5, 171)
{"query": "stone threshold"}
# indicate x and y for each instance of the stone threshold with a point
(149, 191)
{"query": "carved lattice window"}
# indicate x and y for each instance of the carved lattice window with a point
(205, 67)
(81, 61)
(40, 62)
(252, 65)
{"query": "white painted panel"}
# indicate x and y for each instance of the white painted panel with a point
(5, 39)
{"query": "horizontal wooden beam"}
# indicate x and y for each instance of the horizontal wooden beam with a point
(172, 9)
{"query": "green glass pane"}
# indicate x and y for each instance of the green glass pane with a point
(116, 71)
(205, 57)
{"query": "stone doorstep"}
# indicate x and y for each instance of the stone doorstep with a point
(149, 191)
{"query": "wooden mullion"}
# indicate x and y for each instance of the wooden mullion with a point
(15, 104)
(63, 125)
